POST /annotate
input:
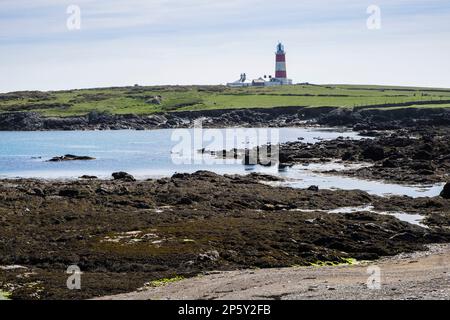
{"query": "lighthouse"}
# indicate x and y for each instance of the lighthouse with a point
(280, 65)
(268, 81)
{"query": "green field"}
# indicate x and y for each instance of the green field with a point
(138, 99)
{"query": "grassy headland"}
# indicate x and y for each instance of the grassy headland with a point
(141, 100)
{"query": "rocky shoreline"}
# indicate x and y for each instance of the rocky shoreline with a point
(123, 233)
(406, 156)
(359, 119)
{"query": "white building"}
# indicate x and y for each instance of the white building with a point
(242, 82)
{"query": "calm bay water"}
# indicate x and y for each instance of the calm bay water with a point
(149, 154)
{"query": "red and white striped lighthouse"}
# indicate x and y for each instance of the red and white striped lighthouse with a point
(280, 62)
(280, 65)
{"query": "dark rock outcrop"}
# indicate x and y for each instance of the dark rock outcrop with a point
(123, 176)
(446, 191)
(374, 153)
(71, 193)
(88, 177)
(70, 157)
(361, 119)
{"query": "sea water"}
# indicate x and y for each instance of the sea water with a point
(150, 154)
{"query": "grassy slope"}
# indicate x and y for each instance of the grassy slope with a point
(127, 100)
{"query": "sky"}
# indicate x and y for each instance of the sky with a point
(160, 42)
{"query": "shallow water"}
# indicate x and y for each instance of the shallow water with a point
(415, 219)
(303, 177)
(142, 153)
(155, 153)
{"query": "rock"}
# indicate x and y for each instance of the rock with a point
(71, 193)
(425, 172)
(180, 176)
(154, 100)
(388, 163)
(123, 176)
(374, 153)
(185, 201)
(263, 177)
(70, 157)
(88, 177)
(285, 157)
(283, 166)
(212, 255)
(142, 205)
(96, 117)
(404, 236)
(122, 190)
(422, 166)
(189, 263)
(428, 146)
(360, 119)
(39, 192)
(104, 190)
(370, 133)
(268, 207)
(20, 121)
(348, 156)
(423, 155)
(313, 188)
(338, 116)
(446, 191)
(305, 155)
(203, 174)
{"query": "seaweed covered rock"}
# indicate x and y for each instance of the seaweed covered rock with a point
(374, 153)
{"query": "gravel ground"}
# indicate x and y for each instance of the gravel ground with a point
(419, 275)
